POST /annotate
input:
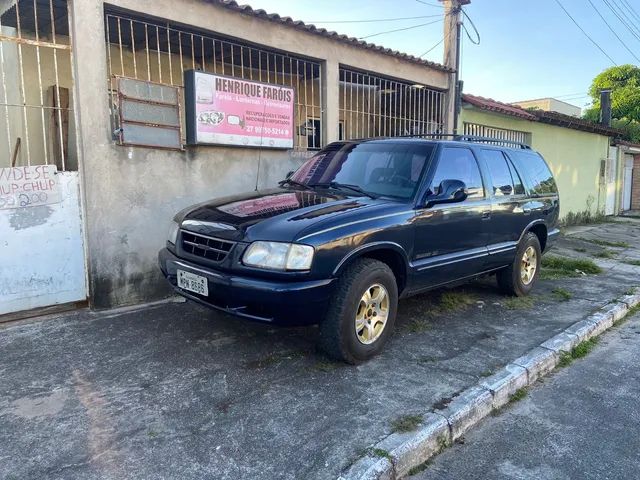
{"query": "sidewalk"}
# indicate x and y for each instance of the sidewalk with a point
(178, 391)
(581, 422)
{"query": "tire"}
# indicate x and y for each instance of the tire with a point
(338, 336)
(511, 280)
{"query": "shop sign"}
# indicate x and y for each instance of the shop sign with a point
(223, 110)
(22, 187)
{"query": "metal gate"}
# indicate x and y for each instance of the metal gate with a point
(610, 176)
(627, 183)
(42, 260)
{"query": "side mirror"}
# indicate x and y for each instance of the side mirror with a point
(450, 191)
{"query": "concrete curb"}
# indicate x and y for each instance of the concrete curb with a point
(394, 456)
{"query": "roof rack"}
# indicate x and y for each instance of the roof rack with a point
(467, 138)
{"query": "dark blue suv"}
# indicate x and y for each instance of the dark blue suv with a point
(362, 224)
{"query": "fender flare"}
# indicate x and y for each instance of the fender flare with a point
(370, 247)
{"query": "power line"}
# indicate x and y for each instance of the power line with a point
(585, 33)
(430, 4)
(622, 19)
(376, 20)
(631, 10)
(613, 31)
(400, 29)
(475, 42)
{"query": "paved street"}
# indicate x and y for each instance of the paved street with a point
(582, 422)
(178, 391)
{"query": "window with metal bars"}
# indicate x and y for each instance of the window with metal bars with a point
(375, 106)
(36, 106)
(480, 130)
(161, 52)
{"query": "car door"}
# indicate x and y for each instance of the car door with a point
(509, 215)
(450, 239)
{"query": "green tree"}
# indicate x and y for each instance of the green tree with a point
(624, 82)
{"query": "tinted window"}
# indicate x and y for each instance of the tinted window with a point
(459, 164)
(502, 183)
(518, 186)
(536, 171)
(384, 168)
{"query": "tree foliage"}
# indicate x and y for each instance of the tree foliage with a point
(624, 82)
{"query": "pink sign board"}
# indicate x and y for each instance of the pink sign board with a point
(230, 111)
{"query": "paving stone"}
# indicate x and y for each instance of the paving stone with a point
(370, 468)
(538, 362)
(562, 342)
(584, 329)
(504, 383)
(467, 409)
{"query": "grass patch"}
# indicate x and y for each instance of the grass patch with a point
(455, 300)
(580, 250)
(635, 263)
(519, 303)
(418, 325)
(406, 423)
(442, 445)
(585, 217)
(579, 351)
(518, 395)
(604, 243)
(605, 254)
(562, 294)
(380, 452)
(560, 267)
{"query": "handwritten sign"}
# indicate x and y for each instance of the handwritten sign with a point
(229, 111)
(22, 187)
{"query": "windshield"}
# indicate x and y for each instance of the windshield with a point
(386, 169)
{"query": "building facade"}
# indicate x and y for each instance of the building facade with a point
(97, 90)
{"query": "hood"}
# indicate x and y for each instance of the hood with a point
(276, 214)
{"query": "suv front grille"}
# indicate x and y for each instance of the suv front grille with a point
(213, 249)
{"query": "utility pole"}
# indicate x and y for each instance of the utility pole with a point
(452, 30)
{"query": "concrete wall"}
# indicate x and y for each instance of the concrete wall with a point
(131, 194)
(574, 157)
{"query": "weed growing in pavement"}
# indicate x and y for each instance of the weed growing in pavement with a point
(443, 443)
(580, 250)
(417, 325)
(604, 243)
(406, 423)
(455, 300)
(380, 452)
(559, 267)
(605, 254)
(518, 395)
(562, 294)
(325, 366)
(519, 303)
(635, 263)
(579, 351)
(584, 217)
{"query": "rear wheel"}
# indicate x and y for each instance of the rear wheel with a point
(361, 316)
(520, 277)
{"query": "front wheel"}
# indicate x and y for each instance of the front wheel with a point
(361, 316)
(519, 278)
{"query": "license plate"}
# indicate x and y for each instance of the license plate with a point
(192, 282)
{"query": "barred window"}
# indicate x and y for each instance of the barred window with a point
(376, 106)
(161, 52)
(479, 130)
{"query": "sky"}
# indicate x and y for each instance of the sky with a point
(528, 48)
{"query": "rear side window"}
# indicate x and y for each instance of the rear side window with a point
(502, 183)
(536, 171)
(459, 164)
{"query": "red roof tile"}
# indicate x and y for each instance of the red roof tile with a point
(274, 17)
(498, 107)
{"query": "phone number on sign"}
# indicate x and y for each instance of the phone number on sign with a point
(268, 130)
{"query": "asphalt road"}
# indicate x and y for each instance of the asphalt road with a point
(582, 422)
(179, 391)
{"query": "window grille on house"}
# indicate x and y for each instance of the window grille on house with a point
(479, 130)
(36, 83)
(161, 52)
(375, 106)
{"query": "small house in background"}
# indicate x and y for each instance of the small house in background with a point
(550, 105)
(586, 159)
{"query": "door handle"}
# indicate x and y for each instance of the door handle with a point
(526, 209)
(486, 214)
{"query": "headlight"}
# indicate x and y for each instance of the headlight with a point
(173, 232)
(278, 256)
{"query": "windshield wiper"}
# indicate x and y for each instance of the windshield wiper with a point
(346, 186)
(292, 182)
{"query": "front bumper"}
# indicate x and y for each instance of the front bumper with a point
(286, 303)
